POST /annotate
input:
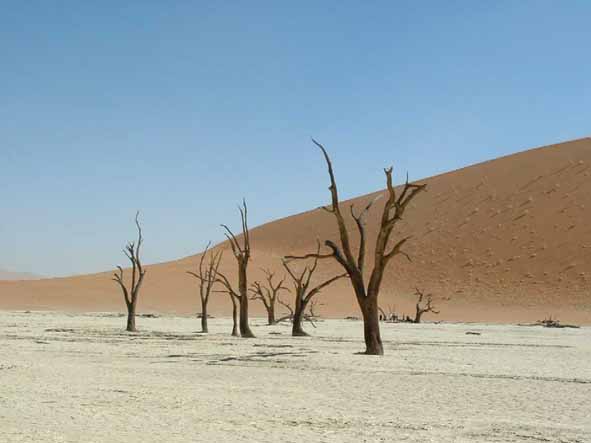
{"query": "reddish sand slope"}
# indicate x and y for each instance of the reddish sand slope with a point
(507, 240)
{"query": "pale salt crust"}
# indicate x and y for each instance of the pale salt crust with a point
(80, 378)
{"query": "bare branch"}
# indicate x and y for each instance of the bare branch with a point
(323, 285)
(245, 230)
(202, 259)
(344, 235)
(233, 241)
(289, 258)
(119, 279)
(396, 249)
(223, 280)
(360, 222)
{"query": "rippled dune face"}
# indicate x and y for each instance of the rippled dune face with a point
(72, 378)
(504, 241)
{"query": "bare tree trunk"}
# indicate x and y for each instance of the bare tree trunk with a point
(204, 328)
(131, 318)
(271, 315)
(234, 318)
(418, 315)
(243, 291)
(244, 326)
(297, 330)
(371, 326)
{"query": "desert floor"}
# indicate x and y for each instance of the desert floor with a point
(80, 378)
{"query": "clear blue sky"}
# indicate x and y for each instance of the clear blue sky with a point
(181, 108)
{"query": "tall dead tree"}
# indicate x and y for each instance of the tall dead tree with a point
(424, 304)
(268, 293)
(131, 293)
(304, 291)
(367, 293)
(206, 275)
(241, 252)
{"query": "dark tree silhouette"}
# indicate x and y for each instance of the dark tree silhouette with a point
(235, 332)
(391, 316)
(206, 275)
(241, 252)
(268, 293)
(367, 294)
(424, 304)
(304, 291)
(309, 315)
(131, 293)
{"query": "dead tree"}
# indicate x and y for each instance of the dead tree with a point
(308, 316)
(206, 275)
(131, 293)
(390, 316)
(304, 291)
(392, 213)
(241, 252)
(268, 294)
(424, 304)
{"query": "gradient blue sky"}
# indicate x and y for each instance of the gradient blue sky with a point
(181, 108)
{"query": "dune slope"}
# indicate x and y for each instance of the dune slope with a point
(506, 240)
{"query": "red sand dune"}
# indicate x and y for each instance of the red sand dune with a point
(506, 240)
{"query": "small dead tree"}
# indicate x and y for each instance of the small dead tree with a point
(206, 275)
(424, 304)
(304, 291)
(309, 315)
(391, 316)
(241, 252)
(131, 293)
(392, 213)
(268, 294)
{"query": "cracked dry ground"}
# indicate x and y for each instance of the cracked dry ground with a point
(73, 378)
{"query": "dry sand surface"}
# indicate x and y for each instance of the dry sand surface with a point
(80, 378)
(507, 240)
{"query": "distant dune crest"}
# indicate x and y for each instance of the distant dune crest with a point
(8, 275)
